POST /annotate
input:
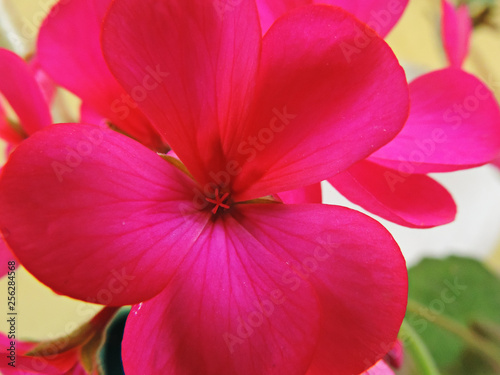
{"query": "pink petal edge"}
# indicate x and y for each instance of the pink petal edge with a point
(454, 124)
(22, 92)
(456, 29)
(410, 200)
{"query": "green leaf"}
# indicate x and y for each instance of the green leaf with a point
(450, 294)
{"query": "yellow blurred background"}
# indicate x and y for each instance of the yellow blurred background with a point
(416, 41)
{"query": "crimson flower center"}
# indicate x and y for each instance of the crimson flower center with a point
(218, 200)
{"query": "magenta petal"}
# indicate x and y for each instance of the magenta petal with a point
(23, 93)
(320, 106)
(69, 50)
(7, 132)
(47, 85)
(27, 365)
(379, 369)
(456, 28)
(380, 15)
(205, 54)
(21, 346)
(271, 10)
(356, 268)
(95, 215)
(395, 357)
(454, 124)
(227, 311)
(89, 116)
(411, 200)
(307, 194)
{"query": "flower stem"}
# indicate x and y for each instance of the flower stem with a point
(475, 342)
(417, 350)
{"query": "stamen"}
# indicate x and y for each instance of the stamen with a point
(218, 201)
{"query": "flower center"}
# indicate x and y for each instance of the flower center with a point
(218, 200)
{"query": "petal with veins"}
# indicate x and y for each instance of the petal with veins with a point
(454, 124)
(411, 200)
(100, 205)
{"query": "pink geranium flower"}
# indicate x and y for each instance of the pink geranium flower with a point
(224, 279)
(456, 29)
(22, 92)
(454, 124)
(69, 51)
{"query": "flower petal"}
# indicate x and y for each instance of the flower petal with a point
(395, 357)
(356, 268)
(27, 365)
(307, 194)
(69, 50)
(411, 200)
(7, 132)
(21, 346)
(23, 93)
(454, 124)
(206, 54)
(322, 103)
(226, 311)
(61, 364)
(47, 85)
(271, 10)
(380, 15)
(456, 29)
(95, 215)
(379, 369)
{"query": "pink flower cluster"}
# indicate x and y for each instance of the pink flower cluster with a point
(190, 187)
